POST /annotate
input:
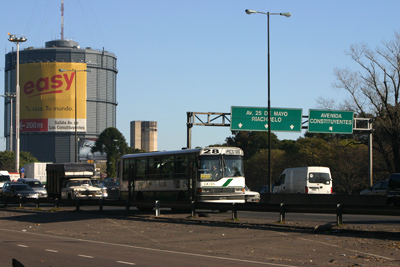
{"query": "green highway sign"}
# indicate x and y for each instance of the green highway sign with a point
(330, 121)
(256, 119)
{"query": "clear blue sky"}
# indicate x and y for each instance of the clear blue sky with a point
(207, 55)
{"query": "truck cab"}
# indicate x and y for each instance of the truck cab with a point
(81, 188)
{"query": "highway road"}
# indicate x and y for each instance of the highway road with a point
(66, 238)
(34, 249)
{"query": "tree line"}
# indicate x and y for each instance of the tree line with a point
(347, 158)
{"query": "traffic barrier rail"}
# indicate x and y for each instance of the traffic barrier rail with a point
(193, 207)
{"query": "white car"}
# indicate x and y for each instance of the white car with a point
(379, 188)
(4, 177)
(251, 196)
(82, 188)
(36, 185)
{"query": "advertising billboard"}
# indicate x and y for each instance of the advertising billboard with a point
(85, 150)
(51, 101)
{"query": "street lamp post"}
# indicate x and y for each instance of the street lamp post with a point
(76, 111)
(15, 39)
(286, 14)
(11, 96)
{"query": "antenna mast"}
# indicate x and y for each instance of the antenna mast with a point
(62, 19)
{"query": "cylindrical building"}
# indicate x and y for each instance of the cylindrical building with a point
(61, 85)
(144, 135)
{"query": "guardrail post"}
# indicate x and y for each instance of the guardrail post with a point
(234, 211)
(37, 203)
(282, 217)
(127, 204)
(57, 203)
(101, 205)
(339, 214)
(20, 202)
(157, 208)
(77, 204)
(5, 202)
(193, 206)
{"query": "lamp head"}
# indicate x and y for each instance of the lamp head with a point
(249, 11)
(286, 14)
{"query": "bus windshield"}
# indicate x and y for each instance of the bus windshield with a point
(233, 166)
(213, 168)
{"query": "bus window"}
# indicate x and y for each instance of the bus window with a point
(141, 169)
(167, 170)
(210, 169)
(154, 168)
(233, 166)
(181, 165)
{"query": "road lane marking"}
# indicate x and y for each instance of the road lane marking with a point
(153, 249)
(128, 263)
(191, 254)
(50, 250)
(22, 246)
(86, 256)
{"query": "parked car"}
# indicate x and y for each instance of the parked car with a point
(36, 185)
(112, 185)
(4, 177)
(251, 196)
(393, 190)
(263, 189)
(5, 186)
(19, 190)
(378, 188)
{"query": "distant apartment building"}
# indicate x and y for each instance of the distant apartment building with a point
(144, 135)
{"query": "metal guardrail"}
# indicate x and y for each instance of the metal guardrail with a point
(193, 207)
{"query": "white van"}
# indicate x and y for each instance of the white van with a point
(305, 180)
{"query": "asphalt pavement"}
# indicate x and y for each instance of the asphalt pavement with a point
(210, 235)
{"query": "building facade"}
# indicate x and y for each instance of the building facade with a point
(144, 135)
(61, 85)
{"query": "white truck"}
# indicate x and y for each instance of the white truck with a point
(72, 181)
(305, 180)
(36, 170)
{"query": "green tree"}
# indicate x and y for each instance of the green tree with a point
(7, 160)
(256, 168)
(252, 142)
(374, 88)
(112, 142)
(132, 150)
(312, 152)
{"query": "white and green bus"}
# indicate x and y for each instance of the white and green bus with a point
(211, 174)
